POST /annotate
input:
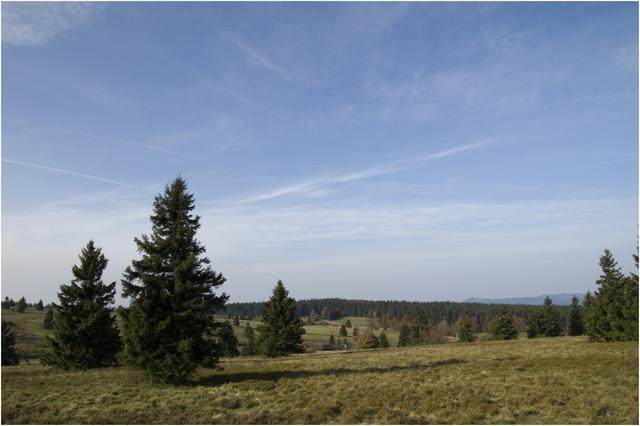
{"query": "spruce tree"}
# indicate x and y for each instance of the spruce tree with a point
(21, 305)
(226, 339)
(403, 338)
(40, 305)
(588, 314)
(85, 334)
(9, 355)
(502, 326)
(47, 323)
(347, 323)
(236, 321)
(465, 326)
(575, 325)
(7, 303)
(630, 310)
(551, 324)
(169, 328)
(248, 331)
(534, 324)
(250, 348)
(418, 328)
(605, 315)
(384, 340)
(281, 329)
(332, 341)
(343, 331)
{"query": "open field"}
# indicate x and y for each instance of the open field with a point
(30, 336)
(360, 322)
(27, 327)
(554, 380)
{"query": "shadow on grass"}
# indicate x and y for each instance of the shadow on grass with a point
(222, 378)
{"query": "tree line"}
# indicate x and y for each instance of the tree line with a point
(21, 305)
(393, 312)
(609, 314)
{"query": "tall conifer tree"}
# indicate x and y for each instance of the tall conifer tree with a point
(47, 323)
(9, 355)
(630, 310)
(342, 332)
(418, 328)
(605, 312)
(227, 340)
(384, 340)
(85, 334)
(281, 329)
(169, 328)
(551, 324)
(465, 326)
(403, 338)
(576, 325)
(535, 324)
(250, 348)
(502, 326)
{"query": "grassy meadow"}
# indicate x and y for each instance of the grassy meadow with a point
(552, 380)
(31, 343)
(27, 328)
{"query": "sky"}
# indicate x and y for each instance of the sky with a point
(417, 151)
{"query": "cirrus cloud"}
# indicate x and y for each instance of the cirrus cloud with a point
(34, 24)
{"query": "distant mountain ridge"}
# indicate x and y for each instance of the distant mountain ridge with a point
(558, 299)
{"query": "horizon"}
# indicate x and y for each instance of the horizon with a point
(467, 300)
(347, 149)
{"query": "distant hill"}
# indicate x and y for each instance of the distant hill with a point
(558, 299)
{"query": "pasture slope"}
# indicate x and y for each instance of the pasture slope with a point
(548, 381)
(27, 328)
(31, 337)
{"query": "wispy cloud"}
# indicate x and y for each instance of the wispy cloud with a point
(64, 172)
(218, 88)
(258, 57)
(98, 137)
(313, 185)
(452, 151)
(36, 23)
(286, 190)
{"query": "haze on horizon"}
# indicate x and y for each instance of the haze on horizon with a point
(418, 151)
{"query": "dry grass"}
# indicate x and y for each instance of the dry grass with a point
(559, 380)
(27, 327)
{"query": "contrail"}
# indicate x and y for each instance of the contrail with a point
(378, 170)
(65, 172)
(98, 137)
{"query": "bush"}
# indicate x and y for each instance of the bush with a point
(368, 340)
(21, 306)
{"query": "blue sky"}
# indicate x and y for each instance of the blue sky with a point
(424, 151)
